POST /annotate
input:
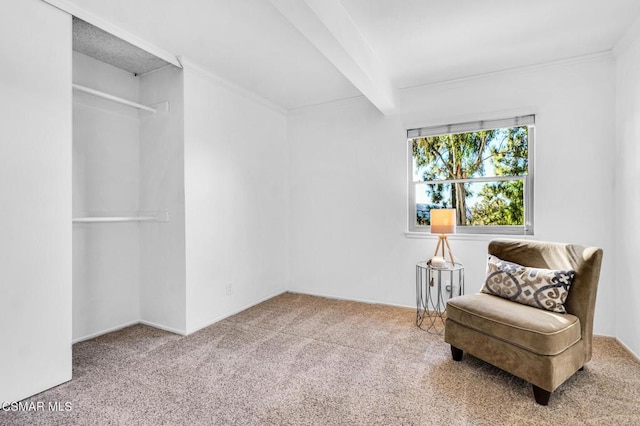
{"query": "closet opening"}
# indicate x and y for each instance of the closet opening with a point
(128, 196)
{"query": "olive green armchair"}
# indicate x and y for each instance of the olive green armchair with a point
(544, 348)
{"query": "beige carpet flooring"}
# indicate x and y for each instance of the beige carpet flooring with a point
(303, 360)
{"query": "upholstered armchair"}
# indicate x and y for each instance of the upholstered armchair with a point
(536, 343)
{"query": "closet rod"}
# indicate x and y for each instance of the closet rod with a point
(97, 219)
(103, 95)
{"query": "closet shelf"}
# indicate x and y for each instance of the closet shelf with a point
(145, 217)
(115, 219)
(113, 98)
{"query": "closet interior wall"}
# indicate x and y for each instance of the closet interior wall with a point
(126, 162)
(162, 187)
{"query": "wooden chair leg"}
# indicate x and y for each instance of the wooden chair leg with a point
(541, 395)
(456, 353)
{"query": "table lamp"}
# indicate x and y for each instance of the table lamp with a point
(443, 222)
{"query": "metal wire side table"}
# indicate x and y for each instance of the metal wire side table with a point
(434, 286)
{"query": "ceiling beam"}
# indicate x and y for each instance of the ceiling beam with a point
(328, 26)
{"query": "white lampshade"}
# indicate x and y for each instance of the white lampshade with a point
(443, 221)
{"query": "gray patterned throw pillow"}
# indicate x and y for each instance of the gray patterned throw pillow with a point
(541, 288)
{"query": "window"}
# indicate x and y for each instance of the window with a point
(483, 169)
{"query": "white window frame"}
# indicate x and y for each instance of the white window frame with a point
(526, 120)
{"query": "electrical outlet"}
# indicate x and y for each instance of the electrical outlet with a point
(229, 289)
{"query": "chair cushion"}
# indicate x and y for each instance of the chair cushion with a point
(536, 330)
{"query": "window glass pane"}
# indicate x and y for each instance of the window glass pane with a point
(477, 203)
(431, 196)
(495, 203)
(484, 153)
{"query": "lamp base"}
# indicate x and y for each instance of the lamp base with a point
(442, 241)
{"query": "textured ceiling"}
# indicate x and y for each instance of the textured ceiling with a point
(98, 44)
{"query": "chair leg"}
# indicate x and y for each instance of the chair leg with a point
(541, 395)
(456, 353)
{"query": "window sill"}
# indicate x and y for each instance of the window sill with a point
(469, 237)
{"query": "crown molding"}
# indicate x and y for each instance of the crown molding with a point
(360, 99)
(628, 38)
(188, 65)
(592, 57)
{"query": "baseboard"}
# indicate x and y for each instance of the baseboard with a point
(350, 299)
(101, 332)
(278, 293)
(163, 327)
(628, 349)
(235, 311)
(621, 343)
(174, 330)
(125, 325)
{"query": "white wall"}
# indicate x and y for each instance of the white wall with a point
(236, 198)
(348, 198)
(106, 260)
(162, 245)
(35, 189)
(348, 179)
(627, 195)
